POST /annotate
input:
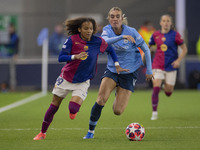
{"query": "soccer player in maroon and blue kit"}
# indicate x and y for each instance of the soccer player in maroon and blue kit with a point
(166, 60)
(80, 51)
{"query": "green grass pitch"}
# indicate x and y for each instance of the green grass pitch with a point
(178, 126)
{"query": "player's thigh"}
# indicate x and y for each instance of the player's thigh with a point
(121, 100)
(159, 76)
(56, 100)
(106, 87)
(157, 82)
(80, 91)
(170, 81)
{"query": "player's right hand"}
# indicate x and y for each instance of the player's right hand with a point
(82, 56)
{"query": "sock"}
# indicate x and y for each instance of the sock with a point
(156, 91)
(95, 115)
(73, 107)
(48, 117)
(168, 93)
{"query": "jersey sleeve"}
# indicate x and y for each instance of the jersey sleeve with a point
(110, 40)
(64, 55)
(103, 46)
(178, 39)
(151, 40)
(138, 39)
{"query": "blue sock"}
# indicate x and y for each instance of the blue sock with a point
(95, 115)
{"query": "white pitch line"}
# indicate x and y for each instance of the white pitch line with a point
(149, 128)
(21, 102)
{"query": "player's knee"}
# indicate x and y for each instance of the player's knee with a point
(101, 100)
(117, 112)
(168, 93)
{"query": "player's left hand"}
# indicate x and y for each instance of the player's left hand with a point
(149, 77)
(130, 38)
(176, 64)
(119, 69)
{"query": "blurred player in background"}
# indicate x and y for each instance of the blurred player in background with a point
(146, 31)
(11, 48)
(166, 60)
(125, 41)
(56, 40)
(80, 51)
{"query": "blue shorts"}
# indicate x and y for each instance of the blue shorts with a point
(125, 81)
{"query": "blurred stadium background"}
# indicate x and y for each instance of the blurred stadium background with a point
(30, 16)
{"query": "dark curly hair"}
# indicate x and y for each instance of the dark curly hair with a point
(71, 25)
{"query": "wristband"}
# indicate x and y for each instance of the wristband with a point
(72, 57)
(116, 63)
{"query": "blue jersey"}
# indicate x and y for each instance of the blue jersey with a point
(127, 52)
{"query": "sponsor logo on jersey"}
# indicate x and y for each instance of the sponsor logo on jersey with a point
(83, 58)
(163, 47)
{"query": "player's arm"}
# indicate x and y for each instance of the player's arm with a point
(112, 53)
(146, 51)
(111, 40)
(65, 54)
(177, 62)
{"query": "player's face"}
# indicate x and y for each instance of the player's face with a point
(165, 23)
(115, 19)
(86, 31)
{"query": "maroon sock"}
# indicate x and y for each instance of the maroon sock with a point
(73, 107)
(48, 117)
(168, 93)
(155, 94)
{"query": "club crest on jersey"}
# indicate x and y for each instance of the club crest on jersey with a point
(125, 41)
(85, 47)
(163, 47)
(163, 39)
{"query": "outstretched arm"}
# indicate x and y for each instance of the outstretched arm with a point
(65, 57)
(146, 51)
(115, 59)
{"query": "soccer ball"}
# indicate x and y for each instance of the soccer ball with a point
(135, 132)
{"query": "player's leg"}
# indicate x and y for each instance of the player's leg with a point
(106, 87)
(121, 100)
(155, 97)
(170, 82)
(125, 87)
(59, 93)
(49, 117)
(74, 106)
(159, 75)
(79, 94)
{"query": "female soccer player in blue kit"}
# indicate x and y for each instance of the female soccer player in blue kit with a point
(166, 60)
(125, 41)
(80, 51)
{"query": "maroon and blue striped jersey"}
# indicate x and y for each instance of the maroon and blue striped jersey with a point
(77, 71)
(167, 49)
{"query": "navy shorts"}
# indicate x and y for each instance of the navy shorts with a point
(125, 81)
